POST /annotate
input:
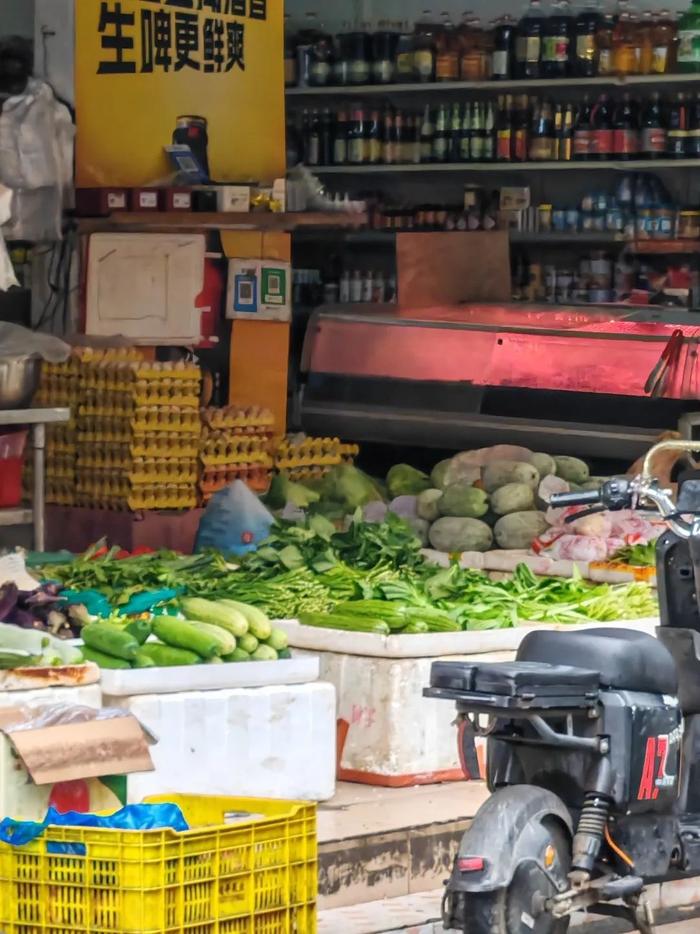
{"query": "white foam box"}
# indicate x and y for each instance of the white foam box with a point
(271, 742)
(19, 796)
(389, 734)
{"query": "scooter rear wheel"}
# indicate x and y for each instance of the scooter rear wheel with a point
(510, 911)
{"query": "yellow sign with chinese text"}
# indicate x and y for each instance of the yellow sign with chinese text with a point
(142, 65)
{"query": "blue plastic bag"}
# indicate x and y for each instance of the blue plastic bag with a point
(234, 522)
(131, 817)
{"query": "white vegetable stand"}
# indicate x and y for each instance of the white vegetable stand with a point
(247, 729)
(388, 733)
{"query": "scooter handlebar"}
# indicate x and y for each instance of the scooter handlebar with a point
(584, 498)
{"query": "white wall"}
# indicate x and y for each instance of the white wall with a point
(54, 42)
(17, 18)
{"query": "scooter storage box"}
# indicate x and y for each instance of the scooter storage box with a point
(453, 676)
(514, 679)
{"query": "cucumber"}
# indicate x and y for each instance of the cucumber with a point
(346, 623)
(165, 656)
(248, 643)
(279, 640)
(185, 635)
(225, 641)
(17, 658)
(415, 626)
(37, 642)
(143, 661)
(208, 611)
(258, 623)
(140, 629)
(104, 661)
(111, 640)
(285, 653)
(238, 655)
(264, 653)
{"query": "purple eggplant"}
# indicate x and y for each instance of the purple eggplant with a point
(9, 595)
(24, 619)
(39, 598)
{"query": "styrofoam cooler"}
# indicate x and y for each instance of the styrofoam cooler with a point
(271, 742)
(389, 734)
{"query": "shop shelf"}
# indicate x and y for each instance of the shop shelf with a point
(247, 865)
(16, 516)
(507, 167)
(495, 87)
(173, 221)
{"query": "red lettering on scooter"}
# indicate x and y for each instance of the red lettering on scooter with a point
(654, 769)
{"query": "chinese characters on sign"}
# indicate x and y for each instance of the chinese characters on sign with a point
(175, 34)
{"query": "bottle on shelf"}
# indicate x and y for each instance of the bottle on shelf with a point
(384, 45)
(469, 51)
(399, 138)
(465, 134)
(327, 138)
(447, 51)
(688, 56)
(653, 130)
(604, 45)
(488, 148)
(601, 145)
(404, 69)
(356, 286)
(341, 60)
(357, 54)
(585, 49)
(356, 137)
(645, 32)
(425, 48)
(692, 143)
(426, 136)
(665, 40)
(455, 153)
(556, 41)
(528, 43)
(312, 149)
(566, 138)
(388, 146)
(677, 124)
(441, 141)
(321, 59)
(503, 49)
(625, 46)
(374, 139)
(583, 131)
(504, 129)
(542, 132)
(625, 121)
(476, 133)
(521, 129)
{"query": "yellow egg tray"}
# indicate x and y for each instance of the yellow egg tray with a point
(213, 480)
(231, 417)
(140, 421)
(118, 457)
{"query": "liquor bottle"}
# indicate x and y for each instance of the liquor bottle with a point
(664, 44)
(556, 41)
(388, 148)
(447, 57)
(441, 140)
(585, 52)
(521, 130)
(327, 139)
(455, 135)
(542, 132)
(566, 138)
(404, 55)
(558, 129)
(503, 49)
(689, 39)
(425, 48)
(384, 42)
(645, 33)
(356, 137)
(426, 136)
(601, 146)
(488, 147)
(465, 134)
(692, 143)
(583, 132)
(399, 138)
(340, 139)
(415, 140)
(653, 131)
(476, 134)
(321, 59)
(625, 123)
(504, 129)
(677, 132)
(604, 44)
(625, 46)
(528, 44)
(312, 153)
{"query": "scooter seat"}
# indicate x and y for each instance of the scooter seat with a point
(625, 659)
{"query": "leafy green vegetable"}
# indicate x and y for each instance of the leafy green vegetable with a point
(641, 556)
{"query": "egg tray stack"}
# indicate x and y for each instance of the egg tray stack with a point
(235, 445)
(311, 458)
(138, 435)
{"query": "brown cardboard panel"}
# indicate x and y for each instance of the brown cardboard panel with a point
(450, 268)
(78, 750)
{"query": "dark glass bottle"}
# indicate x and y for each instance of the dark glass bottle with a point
(653, 129)
(384, 43)
(465, 134)
(626, 128)
(677, 124)
(601, 147)
(503, 50)
(321, 61)
(455, 134)
(340, 139)
(327, 139)
(542, 133)
(521, 130)
(425, 45)
(312, 153)
(528, 43)
(356, 137)
(404, 54)
(388, 147)
(441, 142)
(504, 129)
(427, 132)
(556, 42)
(692, 143)
(374, 139)
(585, 50)
(583, 132)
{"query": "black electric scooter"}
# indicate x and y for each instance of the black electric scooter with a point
(593, 750)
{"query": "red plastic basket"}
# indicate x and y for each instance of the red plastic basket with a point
(11, 464)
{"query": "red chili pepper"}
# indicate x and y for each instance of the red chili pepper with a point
(120, 555)
(143, 550)
(100, 553)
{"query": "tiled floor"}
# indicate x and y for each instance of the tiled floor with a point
(417, 913)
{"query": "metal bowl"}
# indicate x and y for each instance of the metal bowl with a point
(19, 378)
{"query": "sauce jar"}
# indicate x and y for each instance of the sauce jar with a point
(689, 225)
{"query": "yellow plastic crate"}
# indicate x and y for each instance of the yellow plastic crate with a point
(248, 866)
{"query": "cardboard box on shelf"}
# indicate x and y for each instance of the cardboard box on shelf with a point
(71, 757)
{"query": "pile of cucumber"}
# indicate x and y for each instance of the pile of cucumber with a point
(211, 632)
